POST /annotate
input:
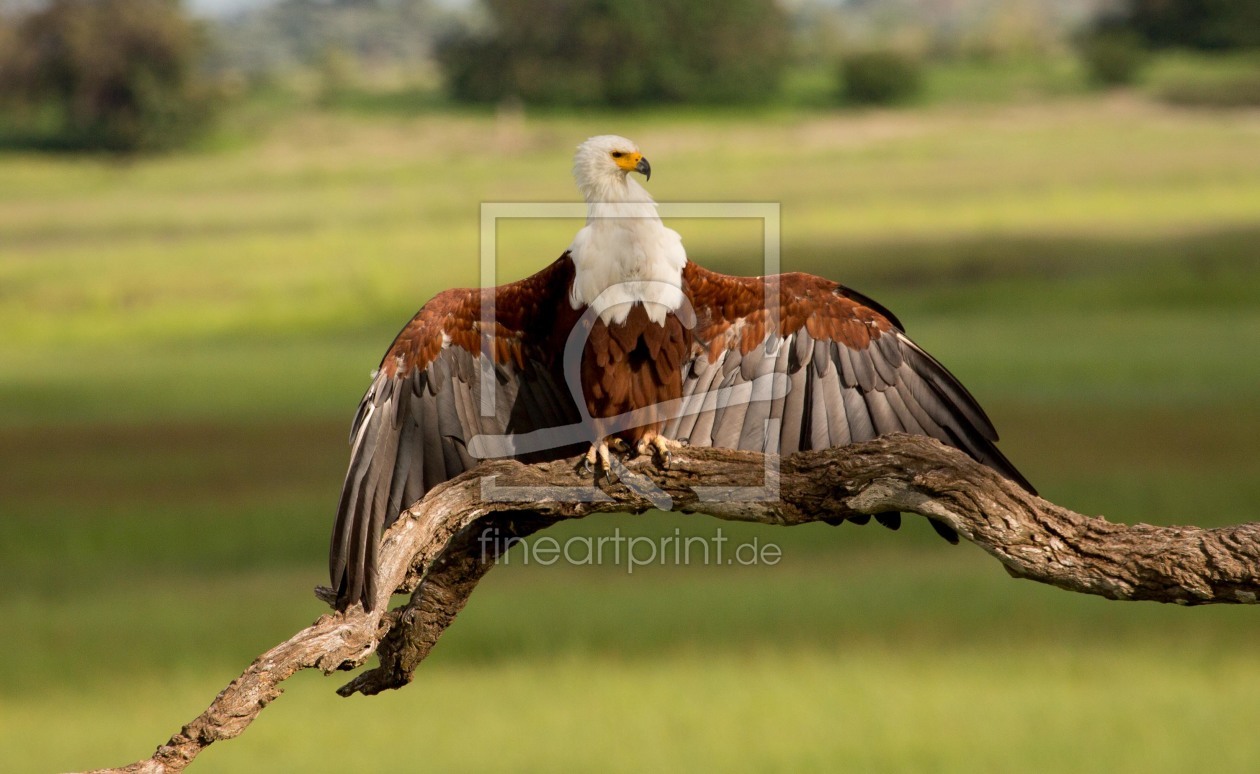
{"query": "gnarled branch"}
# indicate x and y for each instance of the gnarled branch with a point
(435, 552)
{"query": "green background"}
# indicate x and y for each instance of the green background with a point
(183, 341)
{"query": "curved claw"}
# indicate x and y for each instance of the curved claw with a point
(598, 458)
(605, 461)
(663, 452)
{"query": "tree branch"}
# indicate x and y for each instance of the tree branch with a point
(436, 553)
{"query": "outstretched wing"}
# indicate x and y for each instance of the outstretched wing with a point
(414, 423)
(852, 373)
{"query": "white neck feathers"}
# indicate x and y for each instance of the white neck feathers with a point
(624, 255)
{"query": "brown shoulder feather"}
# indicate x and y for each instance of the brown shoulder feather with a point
(849, 371)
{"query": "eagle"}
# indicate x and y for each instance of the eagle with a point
(623, 343)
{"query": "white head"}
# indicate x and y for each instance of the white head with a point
(602, 166)
(624, 255)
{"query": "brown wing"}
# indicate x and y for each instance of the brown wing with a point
(852, 374)
(414, 423)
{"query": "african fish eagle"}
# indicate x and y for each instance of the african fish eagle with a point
(677, 348)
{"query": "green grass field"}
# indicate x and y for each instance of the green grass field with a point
(185, 339)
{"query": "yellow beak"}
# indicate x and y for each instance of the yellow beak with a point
(635, 162)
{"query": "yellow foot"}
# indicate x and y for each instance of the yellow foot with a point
(659, 447)
(599, 457)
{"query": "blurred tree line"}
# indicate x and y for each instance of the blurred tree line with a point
(618, 52)
(142, 75)
(114, 75)
(1119, 43)
(1208, 25)
(118, 75)
(284, 34)
(134, 75)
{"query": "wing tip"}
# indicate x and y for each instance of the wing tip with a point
(945, 531)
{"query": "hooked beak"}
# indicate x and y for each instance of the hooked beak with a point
(644, 168)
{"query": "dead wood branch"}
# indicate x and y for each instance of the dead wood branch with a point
(435, 552)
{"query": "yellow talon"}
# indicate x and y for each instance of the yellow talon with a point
(659, 447)
(599, 457)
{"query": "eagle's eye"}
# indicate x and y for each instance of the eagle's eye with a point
(617, 154)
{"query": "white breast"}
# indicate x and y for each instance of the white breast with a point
(626, 256)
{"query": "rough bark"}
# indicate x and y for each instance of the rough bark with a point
(434, 553)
